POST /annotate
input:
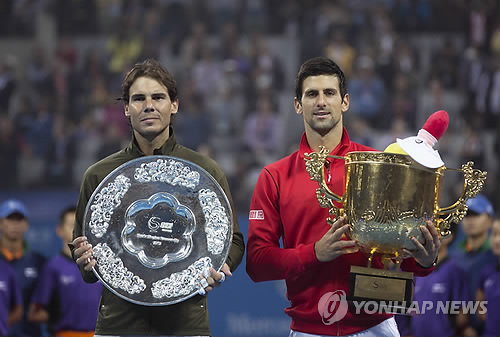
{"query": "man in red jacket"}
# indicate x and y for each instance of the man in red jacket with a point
(315, 258)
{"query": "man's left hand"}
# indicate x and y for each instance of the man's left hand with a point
(215, 278)
(425, 254)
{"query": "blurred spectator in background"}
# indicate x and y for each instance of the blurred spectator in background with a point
(474, 250)
(472, 147)
(423, 56)
(398, 129)
(444, 62)
(261, 131)
(11, 300)
(193, 44)
(7, 83)
(26, 263)
(489, 286)
(266, 70)
(368, 92)
(206, 72)
(361, 132)
(124, 47)
(39, 73)
(403, 105)
(229, 105)
(447, 281)
(82, 20)
(61, 298)
(37, 137)
(195, 126)
(8, 153)
(405, 58)
(434, 97)
(339, 50)
(60, 153)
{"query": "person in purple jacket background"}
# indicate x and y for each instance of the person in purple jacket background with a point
(447, 283)
(474, 250)
(11, 301)
(27, 264)
(489, 286)
(62, 299)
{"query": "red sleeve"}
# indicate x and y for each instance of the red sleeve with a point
(266, 260)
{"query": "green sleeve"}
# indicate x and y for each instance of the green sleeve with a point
(238, 245)
(89, 184)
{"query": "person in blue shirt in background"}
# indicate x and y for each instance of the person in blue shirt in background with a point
(474, 249)
(62, 299)
(489, 286)
(26, 263)
(11, 307)
(447, 282)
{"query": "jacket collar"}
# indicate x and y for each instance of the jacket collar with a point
(166, 149)
(486, 246)
(339, 150)
(11, 256)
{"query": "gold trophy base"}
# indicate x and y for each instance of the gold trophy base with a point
(393, 289)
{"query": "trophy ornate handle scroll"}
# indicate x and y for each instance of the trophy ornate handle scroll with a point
(388, 197)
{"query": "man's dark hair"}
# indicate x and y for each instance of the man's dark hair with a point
(69, 209)
(319, 66)
(153, 69)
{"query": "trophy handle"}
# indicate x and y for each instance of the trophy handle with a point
(315, 162)
(473, 184)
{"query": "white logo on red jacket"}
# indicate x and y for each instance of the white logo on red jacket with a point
(256, 215)
(332, 306)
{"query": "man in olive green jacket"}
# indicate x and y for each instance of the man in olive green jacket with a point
(150, 99)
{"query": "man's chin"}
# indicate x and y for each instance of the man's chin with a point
(323, 129)
(151, 133)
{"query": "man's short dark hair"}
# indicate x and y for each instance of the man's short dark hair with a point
(153, 69)
(319, 66)
(67, 210)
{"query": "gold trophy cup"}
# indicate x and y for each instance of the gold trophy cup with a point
(388, 197)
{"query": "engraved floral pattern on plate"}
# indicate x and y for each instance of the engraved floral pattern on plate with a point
(156, 223)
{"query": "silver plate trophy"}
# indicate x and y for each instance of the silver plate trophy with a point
(156, 223)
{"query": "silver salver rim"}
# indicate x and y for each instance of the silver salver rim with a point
(155, 157)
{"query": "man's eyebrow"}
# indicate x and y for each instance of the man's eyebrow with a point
(156, 94)
(324, 89)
